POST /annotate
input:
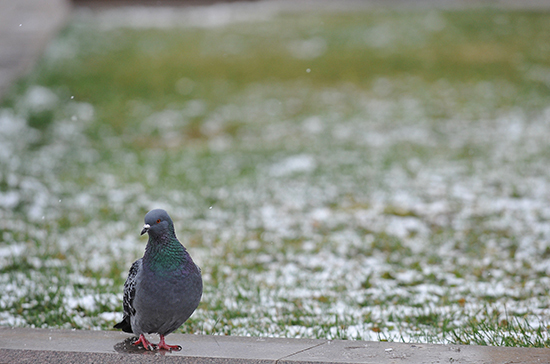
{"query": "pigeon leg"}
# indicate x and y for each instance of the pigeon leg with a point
(146, 344)
(165, 346)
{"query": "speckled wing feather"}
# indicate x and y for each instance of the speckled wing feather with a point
(128, 299)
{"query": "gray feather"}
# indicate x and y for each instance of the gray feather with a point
(163, 288)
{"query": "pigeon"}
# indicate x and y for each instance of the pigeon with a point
(163, 288)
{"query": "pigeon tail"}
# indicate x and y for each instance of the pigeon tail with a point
(124, 325)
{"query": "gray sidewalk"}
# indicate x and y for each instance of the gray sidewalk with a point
(20, 345)
(26, 26)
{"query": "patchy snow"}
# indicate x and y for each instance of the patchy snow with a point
(39, 98)
(213, 16)
(365, 217)
(294, 164)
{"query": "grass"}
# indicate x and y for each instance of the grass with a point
(356, 175)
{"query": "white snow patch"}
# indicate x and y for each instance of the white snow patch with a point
(294, 164)
(39, 98)
(308, 48)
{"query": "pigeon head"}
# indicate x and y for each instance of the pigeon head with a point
(157, 222)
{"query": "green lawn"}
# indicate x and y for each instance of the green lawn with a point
(377, 175)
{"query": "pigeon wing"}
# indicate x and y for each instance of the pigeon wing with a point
(128, 299)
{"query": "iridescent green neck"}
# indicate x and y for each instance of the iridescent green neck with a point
(164, 253)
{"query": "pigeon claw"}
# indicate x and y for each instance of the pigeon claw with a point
(146, 343)
(163, 345)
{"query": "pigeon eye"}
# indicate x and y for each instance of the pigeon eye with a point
(158, 221)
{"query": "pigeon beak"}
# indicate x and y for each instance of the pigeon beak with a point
(145, 229)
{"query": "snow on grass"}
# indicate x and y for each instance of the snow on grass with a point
(215, 16)
(389, 207)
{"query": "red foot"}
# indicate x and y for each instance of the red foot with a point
(146, 344)
(163, 345)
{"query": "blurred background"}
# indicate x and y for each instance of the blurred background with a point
(372, 170)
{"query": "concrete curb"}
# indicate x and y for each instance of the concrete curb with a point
(24, 345)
